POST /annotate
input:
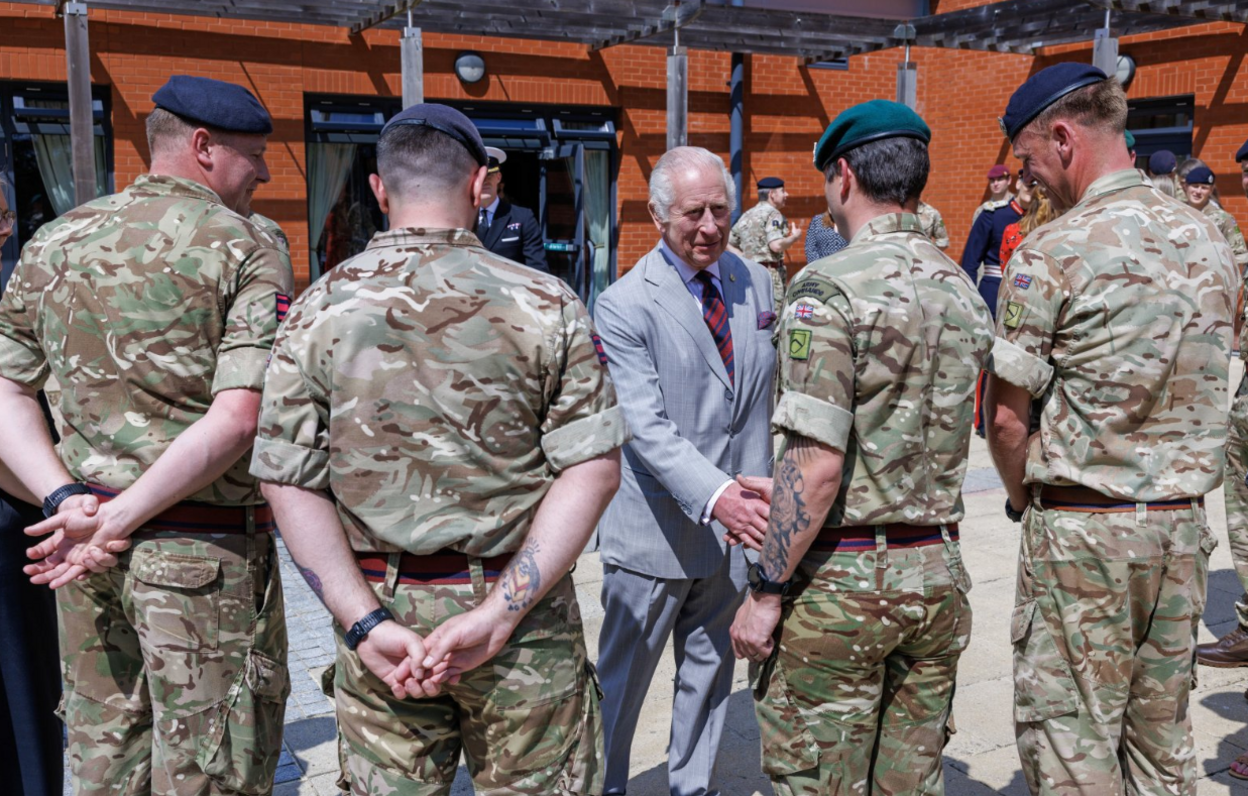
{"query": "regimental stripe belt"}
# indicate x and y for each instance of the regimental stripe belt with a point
(193, 517)
(445, 567)
(1089, 501)
(899, 535)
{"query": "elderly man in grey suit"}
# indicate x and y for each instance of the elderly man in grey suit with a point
(687, 335)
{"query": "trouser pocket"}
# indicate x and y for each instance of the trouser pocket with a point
(1043, 685)
(243, 740)
(787, 743)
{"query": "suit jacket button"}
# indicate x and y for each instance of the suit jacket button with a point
(728, 394)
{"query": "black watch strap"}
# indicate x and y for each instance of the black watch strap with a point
(59, 495)
(761, 585)
(1012, 513)
(360, 630)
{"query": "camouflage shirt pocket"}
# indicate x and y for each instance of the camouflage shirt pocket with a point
(177, 600)
(1043, 686)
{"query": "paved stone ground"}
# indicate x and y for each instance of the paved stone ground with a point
(979, 761)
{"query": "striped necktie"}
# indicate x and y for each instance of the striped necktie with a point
(716, 316)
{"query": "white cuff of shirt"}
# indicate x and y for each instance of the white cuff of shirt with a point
(710, 504)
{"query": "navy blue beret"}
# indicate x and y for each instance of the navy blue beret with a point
(445, 120)
(869, 121)
(1200, 175)
(1161, 162)
(1242, 154)
(1042, 90)
(770, 183)
(225, 106)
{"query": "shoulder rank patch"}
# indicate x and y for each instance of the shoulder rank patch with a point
(1013, 315)
(602, 354)
(812, 287)
(775, 222)
(799, 343)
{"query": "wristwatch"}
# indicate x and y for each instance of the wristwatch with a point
(1012, 513)
(360, 630)
(760, 585)
(59, 495)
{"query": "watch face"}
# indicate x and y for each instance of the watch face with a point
(754, 575)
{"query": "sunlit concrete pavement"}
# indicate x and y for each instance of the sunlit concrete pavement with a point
(981, 758)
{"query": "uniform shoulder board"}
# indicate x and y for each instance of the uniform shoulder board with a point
(814, 287)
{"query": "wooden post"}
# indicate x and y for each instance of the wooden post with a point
(677, 97)
(412, 54)
(81, 123)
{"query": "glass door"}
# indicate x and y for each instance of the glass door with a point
(563, 214)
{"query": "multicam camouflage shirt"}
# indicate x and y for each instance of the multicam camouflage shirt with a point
(756, 229)
(436, 390)
(933, 225)
(881, 345)
(1230, 230)
(1119, 315)
(143, 305)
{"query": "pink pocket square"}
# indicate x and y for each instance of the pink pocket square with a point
(766, 319)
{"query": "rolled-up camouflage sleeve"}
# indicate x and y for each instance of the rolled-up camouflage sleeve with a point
(292, 440)
(263, 285)
(583, 420)
(21, 357)
(1028, 311)
(816, 365)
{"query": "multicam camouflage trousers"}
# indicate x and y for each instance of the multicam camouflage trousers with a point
(778, 274)
(527, 722)
(175, 668)
(857, 697)
(1236, 494)
(1104, 633)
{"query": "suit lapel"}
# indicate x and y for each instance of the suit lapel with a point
(501, 217)
(671, 294)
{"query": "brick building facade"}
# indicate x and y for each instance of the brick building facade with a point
(787, 105)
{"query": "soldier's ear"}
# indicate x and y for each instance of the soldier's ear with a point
(379, 191)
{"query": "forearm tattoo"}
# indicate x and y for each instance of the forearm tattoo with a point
(522, 580)
(789, 516)
(313, 581)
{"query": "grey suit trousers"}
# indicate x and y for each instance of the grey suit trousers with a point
(642, 612)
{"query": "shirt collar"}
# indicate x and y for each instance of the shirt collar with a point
(493, 208)
(423, 236)
(687, 272)
(1109, 183)
(176, 186)
(888, 224)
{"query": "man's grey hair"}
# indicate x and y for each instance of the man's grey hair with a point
(678, 160)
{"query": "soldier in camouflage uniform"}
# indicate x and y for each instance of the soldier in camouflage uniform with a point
(473, 445)
(933, 225)
(270, 226)
(1232, 649)
(1198, 187)
(156, 309)
(866, 580)
(1118, 317)
(763, 235)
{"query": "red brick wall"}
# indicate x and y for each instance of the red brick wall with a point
(787, 106)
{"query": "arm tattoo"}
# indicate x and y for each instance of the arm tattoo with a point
(789, 516)
(313, 581)
(522, 579)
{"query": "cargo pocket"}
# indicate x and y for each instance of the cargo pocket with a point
(788, 745)
(584, 769)
(177, 600)
(1043, 686)
(242, 744)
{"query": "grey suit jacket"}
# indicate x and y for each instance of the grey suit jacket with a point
(692, 429)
